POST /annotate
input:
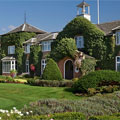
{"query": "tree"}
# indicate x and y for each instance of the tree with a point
(65, 47)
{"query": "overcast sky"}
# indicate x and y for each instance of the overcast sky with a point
(52, 15)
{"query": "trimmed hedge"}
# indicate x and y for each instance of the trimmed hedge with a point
(50, 83)
(104, 118)
(96, 79)
(52, 71)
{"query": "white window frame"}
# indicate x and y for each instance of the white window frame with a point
(46, 46)
(5, 67)
(117, 62)
(118, 38)
(27, 48)
(43, 65)
(10, 51)
(79, 39)
(76, 69)
(27, 67)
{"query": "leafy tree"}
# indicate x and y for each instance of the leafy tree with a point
(52, 71)
(65, 47)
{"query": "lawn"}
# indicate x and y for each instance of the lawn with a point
(17, 95)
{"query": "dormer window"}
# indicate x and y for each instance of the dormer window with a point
(46, 46)
(11, 49)
(79, 41)
(117, 38)
(27, 48)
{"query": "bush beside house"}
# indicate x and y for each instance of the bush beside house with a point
(52, 71)
(65, 47)
(97, 79)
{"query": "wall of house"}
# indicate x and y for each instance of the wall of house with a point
(61, 65)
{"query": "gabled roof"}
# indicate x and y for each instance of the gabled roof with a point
(27, 28)
(109, 26)
(47, 36)
(8, 58)
(83, 3)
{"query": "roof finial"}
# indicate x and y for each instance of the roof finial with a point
(25, 17)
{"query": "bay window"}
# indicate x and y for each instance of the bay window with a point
(7, 66)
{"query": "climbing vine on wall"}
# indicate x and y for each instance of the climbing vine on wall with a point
(35, 57)
(16, 39)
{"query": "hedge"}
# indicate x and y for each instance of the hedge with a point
(96, 79)
(58, 116)
(52, 71)
(104, 118)
(50, 83)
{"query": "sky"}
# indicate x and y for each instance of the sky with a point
(52, 15)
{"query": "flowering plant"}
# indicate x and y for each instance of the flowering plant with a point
(13, 73)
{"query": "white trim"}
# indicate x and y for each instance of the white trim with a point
(23, 27)
(64, 65)
(42, 64)
(116, 28)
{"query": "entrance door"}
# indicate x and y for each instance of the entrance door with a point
(69, 70)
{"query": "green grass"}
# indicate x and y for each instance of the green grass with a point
(17, 95)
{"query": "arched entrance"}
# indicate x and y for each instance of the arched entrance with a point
(68, 69)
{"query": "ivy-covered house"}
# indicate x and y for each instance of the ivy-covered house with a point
(28, 45)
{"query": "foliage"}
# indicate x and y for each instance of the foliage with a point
(16, 39)
(87, 66)
(104, 118)
(50, 83)
(35, 57)
(52, 71)
(105, 104)
(93, 37)
(66, 47)
(95, 79)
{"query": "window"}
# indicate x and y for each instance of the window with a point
(46, 46)
(7, 66)
(27, 48)
(11, 49)
(43, 64)
(79, 41)
(117, 38)
(118, 63)
(76, 69)
(27, 66)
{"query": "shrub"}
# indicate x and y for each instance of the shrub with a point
(50, 83)
(88, 65)
(95, 79)
(95, 105)
(104, 118)
(66, 47)
(52, 71)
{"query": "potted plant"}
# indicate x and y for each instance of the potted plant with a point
(13, 73)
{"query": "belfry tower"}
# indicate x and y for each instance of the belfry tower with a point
(85, 10)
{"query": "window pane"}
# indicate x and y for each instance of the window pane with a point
(11, 49)
(118, 59)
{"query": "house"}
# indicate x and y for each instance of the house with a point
(10, 43)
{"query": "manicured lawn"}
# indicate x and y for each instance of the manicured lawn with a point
(17, 95)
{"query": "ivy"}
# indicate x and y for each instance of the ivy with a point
(35, 57)
(16, 39)
(66, 47)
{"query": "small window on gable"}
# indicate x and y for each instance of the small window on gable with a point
(11, 49)
(27, 48)
(79, 41)
(117, 38)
